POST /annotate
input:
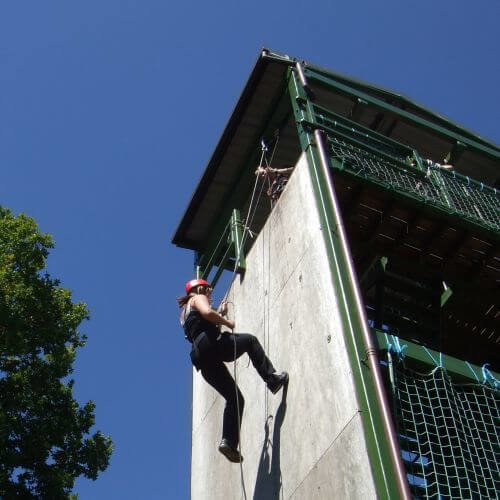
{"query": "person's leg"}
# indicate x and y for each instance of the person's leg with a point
(249, 344)
(218, 376)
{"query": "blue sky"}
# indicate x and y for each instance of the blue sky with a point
(109, 112)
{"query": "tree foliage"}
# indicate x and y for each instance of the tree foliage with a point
(44, 432)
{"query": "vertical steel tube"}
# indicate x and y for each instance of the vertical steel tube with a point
(370, 348)
(300, 72)
(303, 80)
(236, 235)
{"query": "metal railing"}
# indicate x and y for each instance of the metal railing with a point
(360, 152)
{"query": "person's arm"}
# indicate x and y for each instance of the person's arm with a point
(281, 170)
(203, 306)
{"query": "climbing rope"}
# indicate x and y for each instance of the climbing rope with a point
(268, 168)
(252, 209)
(246, 230)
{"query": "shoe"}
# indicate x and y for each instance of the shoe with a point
(276, 381)
(229, 452)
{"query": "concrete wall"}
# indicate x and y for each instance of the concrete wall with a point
(307, 442)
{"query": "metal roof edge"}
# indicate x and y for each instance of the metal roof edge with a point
(264, 57)
(267, 56)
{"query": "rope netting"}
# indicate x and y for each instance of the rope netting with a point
(448, 434)
(444, 189)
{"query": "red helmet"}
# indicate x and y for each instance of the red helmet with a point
(194, 283)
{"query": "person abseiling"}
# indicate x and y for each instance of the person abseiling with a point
(211, 348)
(277, 178)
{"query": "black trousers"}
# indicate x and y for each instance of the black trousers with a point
(215, 372)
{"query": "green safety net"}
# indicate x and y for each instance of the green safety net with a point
(448, 433)
(449, 191)
(390, 165)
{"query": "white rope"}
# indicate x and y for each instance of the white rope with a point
(274, 150)
(246, 231)
(267, 298)
(239, 419)
(248, 222)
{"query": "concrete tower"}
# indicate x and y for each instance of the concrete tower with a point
(371, 275)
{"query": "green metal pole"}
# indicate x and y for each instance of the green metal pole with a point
(237, 237)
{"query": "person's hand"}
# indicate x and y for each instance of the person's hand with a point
(230, 324)
(260, 171)
(223, 308)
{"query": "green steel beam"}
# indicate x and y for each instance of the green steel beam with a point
(426, 358)
(237, 239)
(229, 244)
(301, 111)
(401, 114)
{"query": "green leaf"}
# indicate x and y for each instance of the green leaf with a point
(44, 433)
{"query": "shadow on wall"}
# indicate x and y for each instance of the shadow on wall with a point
(269, 481)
